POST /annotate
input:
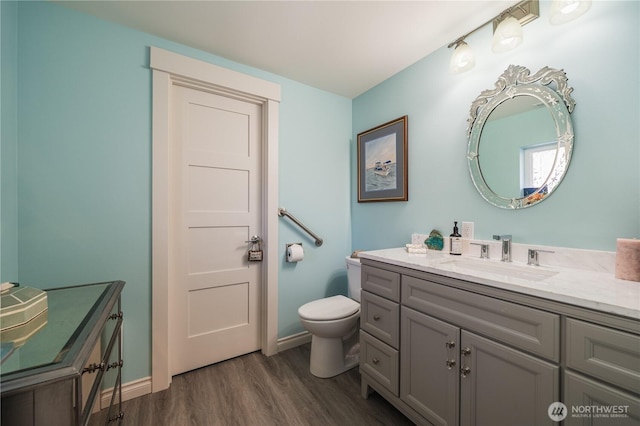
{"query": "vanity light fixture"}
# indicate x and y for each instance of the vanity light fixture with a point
(507, 35)
(563, 11)
(507, 29)
(463, 58)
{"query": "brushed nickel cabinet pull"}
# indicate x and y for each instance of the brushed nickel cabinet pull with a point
(465, 371)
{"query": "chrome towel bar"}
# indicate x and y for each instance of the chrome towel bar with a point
(283, 212)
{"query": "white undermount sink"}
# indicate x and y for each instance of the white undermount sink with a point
(508, 270)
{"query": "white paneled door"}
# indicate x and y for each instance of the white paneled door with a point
(214, 303)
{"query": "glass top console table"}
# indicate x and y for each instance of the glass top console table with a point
(56, 376)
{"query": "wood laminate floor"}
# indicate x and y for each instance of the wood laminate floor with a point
(260, 391)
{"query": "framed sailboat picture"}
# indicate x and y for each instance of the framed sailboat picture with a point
(382, 162)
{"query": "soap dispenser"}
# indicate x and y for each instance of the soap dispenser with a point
(455, 241)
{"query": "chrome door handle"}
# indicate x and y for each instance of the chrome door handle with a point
(254, 239)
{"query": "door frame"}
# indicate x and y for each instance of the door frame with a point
(170, 69)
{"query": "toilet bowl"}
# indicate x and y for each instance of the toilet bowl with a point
(333, 324)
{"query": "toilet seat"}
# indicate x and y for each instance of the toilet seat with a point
(330, 308)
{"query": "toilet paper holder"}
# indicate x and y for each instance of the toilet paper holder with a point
(287, 250)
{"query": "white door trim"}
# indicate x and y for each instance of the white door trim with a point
(169, 69)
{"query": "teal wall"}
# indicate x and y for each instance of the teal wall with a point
(84, 166)
(9, 146)
(597, 202)
(314, 187)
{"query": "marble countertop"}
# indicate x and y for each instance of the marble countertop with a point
(594, 290)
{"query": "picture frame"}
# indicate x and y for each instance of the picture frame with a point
(382, 162)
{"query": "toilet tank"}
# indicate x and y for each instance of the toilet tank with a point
(353, 275)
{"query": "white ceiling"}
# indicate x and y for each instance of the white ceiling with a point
(344, 47)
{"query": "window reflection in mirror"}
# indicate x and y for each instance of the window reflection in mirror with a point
(536, 164)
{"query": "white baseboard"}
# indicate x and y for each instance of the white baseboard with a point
(142, 386)
(293, 341)
(130, 390)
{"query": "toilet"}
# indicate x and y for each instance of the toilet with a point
(333, 324)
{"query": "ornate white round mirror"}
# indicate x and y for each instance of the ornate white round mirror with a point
(521, 137)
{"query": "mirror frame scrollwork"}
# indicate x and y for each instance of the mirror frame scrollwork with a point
(518, 81)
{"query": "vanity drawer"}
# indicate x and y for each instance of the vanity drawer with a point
(522, 327)
(380, 361)
(583, 393)
(381, 282)
(602, 352)
(379, 317)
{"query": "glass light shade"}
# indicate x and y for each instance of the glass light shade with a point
(507, 36)
(567, 10)
(463, 58)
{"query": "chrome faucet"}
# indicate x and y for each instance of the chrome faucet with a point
(484, 250)
(506, 246)
(532, 256)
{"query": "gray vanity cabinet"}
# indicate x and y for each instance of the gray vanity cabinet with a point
(452, 376)
(450, 352)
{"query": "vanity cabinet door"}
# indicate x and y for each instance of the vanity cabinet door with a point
(429, 367)
(502, 386)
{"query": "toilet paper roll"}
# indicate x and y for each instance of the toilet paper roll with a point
(295, 253)
(628, 259)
